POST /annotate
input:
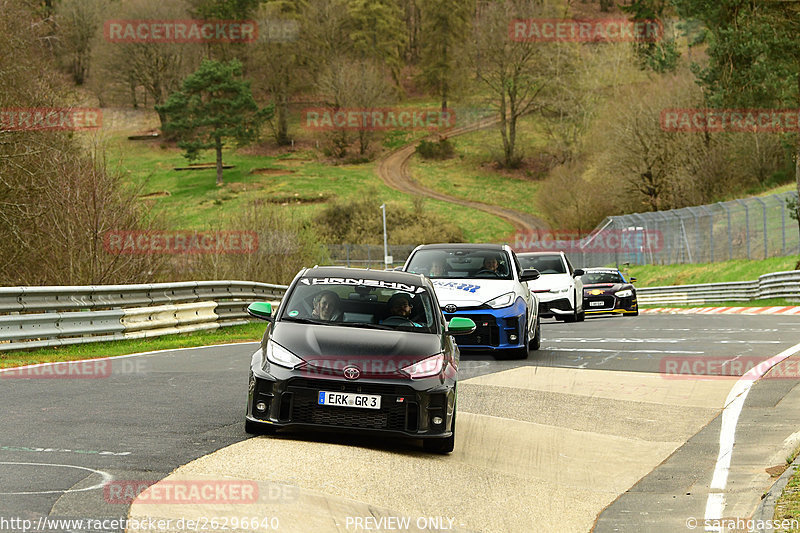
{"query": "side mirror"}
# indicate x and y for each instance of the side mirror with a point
(578, 272)
(460, 326)
(529, 274)
(633, 279)
(262, 310)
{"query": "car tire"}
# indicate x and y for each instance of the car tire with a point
(537, 337)
(581, 316)
(445, 445)
(522, 352)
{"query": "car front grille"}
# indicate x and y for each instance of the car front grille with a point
(393, 414)
(608, 302)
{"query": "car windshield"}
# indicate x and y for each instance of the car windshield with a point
(361, 303)
(545, 264)
(602, 277)
(457, 263)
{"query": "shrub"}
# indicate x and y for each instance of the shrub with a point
(442, 149)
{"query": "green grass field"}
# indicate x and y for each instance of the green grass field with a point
(244, 333)
(299, 182)
(738, 270)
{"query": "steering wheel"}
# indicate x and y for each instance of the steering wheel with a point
(397, 321)
(483, 273)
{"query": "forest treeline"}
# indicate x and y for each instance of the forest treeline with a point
(583, 119)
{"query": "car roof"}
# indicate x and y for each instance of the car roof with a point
(462, 246)
(382, 275)
(530, 254)
(601, 269)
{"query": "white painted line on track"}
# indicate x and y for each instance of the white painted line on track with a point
(106, 478)
(734, 403)
(603, 350)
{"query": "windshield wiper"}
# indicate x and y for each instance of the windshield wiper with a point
(304, 320)
(365, 325)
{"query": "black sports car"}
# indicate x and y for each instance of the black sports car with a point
(355, 349)
(605, 290)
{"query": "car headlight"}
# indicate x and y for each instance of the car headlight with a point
(280, 356)
(627, 293)
(560, 290)
(501, 301)
(428, 367)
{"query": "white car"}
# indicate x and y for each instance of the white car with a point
(559, 287)
(483, 282)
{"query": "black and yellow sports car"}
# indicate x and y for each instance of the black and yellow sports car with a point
(605, 290)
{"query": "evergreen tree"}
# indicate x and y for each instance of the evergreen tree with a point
(213, 105)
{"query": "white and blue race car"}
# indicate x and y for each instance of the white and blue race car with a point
(483, 282)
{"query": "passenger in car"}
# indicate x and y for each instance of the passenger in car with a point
(400, 308)
(327, 306)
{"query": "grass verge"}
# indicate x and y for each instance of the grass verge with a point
(244, 333)
(737, 270)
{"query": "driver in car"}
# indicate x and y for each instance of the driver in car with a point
(399, 310)
(490, 265)
(327, 306)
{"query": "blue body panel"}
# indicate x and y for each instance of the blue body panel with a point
(511, 320)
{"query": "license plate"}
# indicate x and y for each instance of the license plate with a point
(349, 399)
(596, 304)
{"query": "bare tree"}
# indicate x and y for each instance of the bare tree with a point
(77, 22)
(350, 84)
(516, 73)
(157, 68)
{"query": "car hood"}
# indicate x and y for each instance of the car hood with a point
(545, 282)
(605, 287)
(470, 292)
(312, 341)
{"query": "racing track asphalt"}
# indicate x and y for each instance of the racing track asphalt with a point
(174, 407)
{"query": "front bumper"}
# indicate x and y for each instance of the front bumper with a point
(551, 305)
(611, 304)
(408, 408)
(496, 329)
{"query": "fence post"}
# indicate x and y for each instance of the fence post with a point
(746, 224)
(764, 221)
(710, 215)
(783, 223)
(730, 238)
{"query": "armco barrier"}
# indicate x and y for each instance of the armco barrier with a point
(35, 317)
(775, 285)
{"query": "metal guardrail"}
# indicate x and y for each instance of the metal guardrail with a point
(36, 317)
(775, 285)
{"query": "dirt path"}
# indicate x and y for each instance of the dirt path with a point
(393, 170)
